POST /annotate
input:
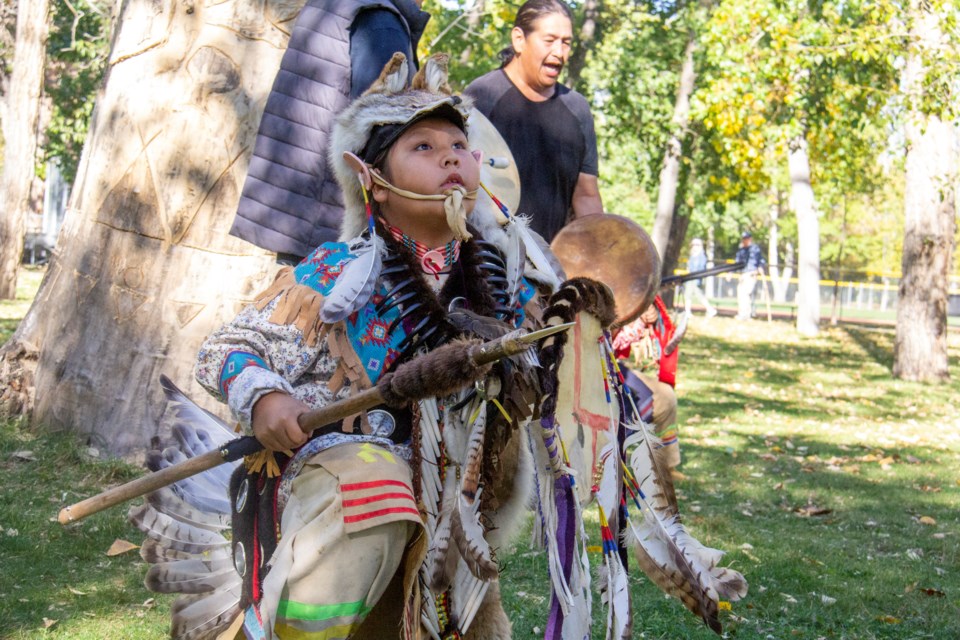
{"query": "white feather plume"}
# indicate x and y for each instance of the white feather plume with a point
(357, 280)
(544, 269)
(516, 258)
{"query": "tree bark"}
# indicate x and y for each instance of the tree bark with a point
(920, 347)
(473, 21)
(779, 279)
(808, 236)
(671, 256)
(20, 127)
(670, 172)
(144, 268)
(587, 39)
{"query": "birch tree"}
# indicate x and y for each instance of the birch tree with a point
(144, 267)
(20, 128)
(920, 348)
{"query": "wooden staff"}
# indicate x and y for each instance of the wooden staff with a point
(411, 381)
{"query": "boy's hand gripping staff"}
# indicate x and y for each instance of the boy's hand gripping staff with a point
(465, 361)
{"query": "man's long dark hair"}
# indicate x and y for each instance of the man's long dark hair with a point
(527, 16)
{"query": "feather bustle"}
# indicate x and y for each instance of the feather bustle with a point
(166, 501)
(173, 533)
(155, 552)
(191, 576)
(203, 616)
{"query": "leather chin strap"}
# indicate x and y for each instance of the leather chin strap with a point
(452, 203)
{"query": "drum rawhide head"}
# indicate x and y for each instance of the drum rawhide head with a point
(615, 251)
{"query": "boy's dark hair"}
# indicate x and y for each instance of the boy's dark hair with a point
(527, 16)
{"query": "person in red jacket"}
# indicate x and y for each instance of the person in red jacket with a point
(649, 344)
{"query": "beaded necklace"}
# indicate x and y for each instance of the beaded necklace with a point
(432, 261)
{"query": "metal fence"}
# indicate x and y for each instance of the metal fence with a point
(847, 292)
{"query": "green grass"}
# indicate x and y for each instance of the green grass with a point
(11, 311)
(834, 488)
(63, 574)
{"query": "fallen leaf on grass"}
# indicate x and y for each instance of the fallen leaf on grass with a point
(809, 510)
(827, 600)
(120, 546)
(927, 520)
(789, 598)
(926, 488)
(914, 554)
(935, 593)
(889, 619)
(47, 623)
(76, 592)
(25, 456)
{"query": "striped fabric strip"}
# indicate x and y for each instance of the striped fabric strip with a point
(338, 632)
(302, 611)
(367, 504)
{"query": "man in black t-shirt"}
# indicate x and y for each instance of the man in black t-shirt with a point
(548, 127)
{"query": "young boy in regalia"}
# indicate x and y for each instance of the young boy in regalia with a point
(386, 524)
(359, 507)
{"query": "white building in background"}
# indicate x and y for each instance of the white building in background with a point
(42, 230)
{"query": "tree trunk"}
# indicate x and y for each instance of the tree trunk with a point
(671, 257)
(920, 348)
(808, 236)
(144, 268)
(20, 137)
(586, 40)
(780, 273)
(670, 172)
(473, 21)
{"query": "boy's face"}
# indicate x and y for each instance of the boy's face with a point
(431, 157)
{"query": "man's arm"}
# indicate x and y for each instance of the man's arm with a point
(586, 196)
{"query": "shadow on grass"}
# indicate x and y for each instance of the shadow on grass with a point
(877, 343)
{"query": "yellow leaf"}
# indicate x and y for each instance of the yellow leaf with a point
(927, 520)
(120, 546)
(889, 619)
(723, 605)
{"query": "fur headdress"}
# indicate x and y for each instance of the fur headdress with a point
(377, 118)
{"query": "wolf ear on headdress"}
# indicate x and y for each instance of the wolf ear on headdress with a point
(432, 76)
(393, 77)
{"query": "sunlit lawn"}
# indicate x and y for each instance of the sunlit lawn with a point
(11, 311)
(833, 487)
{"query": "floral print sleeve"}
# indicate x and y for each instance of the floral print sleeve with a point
(253, 356)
